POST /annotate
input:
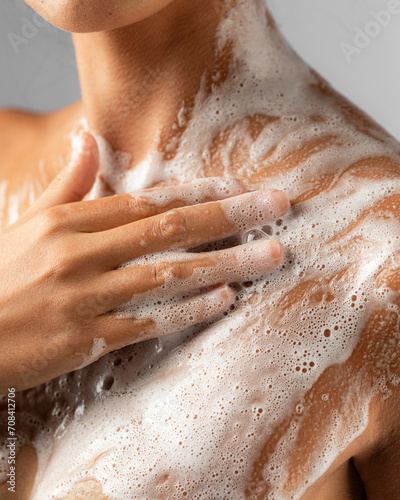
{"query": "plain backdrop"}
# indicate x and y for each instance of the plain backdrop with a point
(38, 70)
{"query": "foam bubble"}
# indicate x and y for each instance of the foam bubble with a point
(226, 409)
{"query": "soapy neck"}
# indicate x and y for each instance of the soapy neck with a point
(139, 83)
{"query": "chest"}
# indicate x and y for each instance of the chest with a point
(270, 396)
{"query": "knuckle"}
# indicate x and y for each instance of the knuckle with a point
(92, 306)
(167, 273)
(162, 273)
(133, 206)
(61, 259)
(172, 226)
(53, 220)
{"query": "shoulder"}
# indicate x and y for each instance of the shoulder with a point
(17, 127)
(19, 131)
(14, 121)
(25, 136)
(17, 134)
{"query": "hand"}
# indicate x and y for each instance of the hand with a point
(61, 272)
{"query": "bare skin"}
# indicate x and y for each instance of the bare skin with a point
(62, 228)
(369, 466)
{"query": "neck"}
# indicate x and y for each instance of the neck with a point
(136, 80)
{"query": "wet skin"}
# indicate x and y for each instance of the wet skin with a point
(370, 465)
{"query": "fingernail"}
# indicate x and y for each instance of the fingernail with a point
(78, 146)
(266, 253)
(225, 293)
(272, 202)
(276, 251)
(94, 149)
(84, 145)
(281, 201)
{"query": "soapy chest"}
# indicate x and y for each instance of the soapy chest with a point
(265, 399)
(226, 410)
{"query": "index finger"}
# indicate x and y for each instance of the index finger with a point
(114, 211)
(189, 227)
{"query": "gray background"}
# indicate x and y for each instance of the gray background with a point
(39, 72)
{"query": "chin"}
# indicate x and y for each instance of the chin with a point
(85, 16)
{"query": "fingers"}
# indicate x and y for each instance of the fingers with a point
(115, 211)
(189, 227)
(190, 273)
(155, 319)
(73, 182)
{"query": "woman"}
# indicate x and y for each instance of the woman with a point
(293, 394)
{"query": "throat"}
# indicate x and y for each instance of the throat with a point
(140, 82)
(212, 95)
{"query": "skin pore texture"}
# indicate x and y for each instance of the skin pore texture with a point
(294, 393)
(96, 15)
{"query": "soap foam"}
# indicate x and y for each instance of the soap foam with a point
(223, 410)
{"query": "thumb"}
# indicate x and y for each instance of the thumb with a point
(74, 181)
